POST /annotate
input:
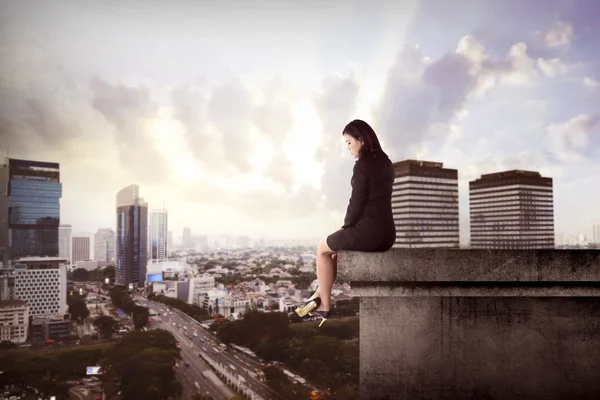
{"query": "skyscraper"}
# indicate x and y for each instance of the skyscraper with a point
(131, 244)
(512, 210)
(81, 248)
(64, 241)
(30, 208)
(104, 245)
(188, 241)
(425, 205)
(157, 236)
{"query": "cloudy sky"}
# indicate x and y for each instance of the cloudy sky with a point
(231, 112)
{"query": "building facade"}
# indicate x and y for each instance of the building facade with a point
(157, 236)
(7, 283)
(104, 245)
(30, 208)
(512, 210)
(131, 244)
(42, 283)
(80, 248)
(425, 205)
(64, 241)
(14, 321)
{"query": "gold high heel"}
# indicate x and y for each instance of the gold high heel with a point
(323, 314)
(307, 307)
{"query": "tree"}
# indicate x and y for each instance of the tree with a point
(142, 363)
(78, 310)
(81, 275)
(106, 325)
(140, 317)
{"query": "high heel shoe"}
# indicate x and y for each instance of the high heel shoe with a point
(308, 306)
(323, 314)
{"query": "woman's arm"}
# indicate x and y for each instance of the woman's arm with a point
(358, 199)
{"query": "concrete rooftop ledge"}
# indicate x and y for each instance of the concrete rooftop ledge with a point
(477, 324)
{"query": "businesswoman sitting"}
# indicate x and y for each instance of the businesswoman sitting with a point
(369, 223)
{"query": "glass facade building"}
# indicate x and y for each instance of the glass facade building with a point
(131, 241)
(30, 208)
(157, 236)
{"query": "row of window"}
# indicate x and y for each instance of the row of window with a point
(510, 187)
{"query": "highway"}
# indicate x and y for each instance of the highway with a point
(193, 339)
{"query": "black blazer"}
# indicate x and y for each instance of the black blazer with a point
(370, 207)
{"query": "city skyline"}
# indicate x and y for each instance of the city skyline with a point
(224, 135)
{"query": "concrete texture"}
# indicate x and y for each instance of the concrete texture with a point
(477, 324)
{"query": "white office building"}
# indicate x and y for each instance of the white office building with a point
(42, 283)
(14, 320)
(104, 245)
(199, 286)
(81, 248)
(157, 236)
(64, 241)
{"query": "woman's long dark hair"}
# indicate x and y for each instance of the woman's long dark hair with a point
(363, 132)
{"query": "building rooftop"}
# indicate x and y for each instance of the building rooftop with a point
(13, 302)
(38, 259)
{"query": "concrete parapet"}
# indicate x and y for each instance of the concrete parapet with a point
(477, 324)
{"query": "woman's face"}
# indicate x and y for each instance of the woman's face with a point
(354, 145)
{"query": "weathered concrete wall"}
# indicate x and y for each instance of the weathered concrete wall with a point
(477, 324)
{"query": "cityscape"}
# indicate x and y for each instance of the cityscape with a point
(160, 212)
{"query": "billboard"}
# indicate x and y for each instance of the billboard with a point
(95, 370)
(154, 277)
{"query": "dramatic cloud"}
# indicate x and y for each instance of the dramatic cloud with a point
(559, 34)
(572, 140)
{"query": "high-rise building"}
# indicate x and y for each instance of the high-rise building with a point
(188, 241)
(81, 248)
(64, 241)
(596, 233)
(512, 210)
(425, 204)
(169, 241)
(157, 236)
(42, 283)
(131, 244)
(7, 283)
(104, 245)
(29, 209)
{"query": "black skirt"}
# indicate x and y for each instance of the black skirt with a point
(358, 238)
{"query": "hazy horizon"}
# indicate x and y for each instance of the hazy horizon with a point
(231, 114)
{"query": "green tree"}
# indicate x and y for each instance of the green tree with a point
(78, 310)
(140, 317)
(106, 325)
(81, 275)
(142, 363)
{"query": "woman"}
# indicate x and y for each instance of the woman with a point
(369, 223)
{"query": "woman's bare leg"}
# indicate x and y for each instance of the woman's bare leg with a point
(334, 260)
(326, 273)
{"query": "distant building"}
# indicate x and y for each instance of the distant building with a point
(425, 205)
(188, 241)
(157, 236)
(132, 238)
(7, 283)
(512, 210)
(104, 245)
(64, 241)
(14, 321)
(81, 250)
(50, 328)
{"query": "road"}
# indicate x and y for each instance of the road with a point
(197, 370)
(184, 327)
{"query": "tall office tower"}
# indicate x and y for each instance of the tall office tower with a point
(596, 233)
(104, 245)
(169, 241)
(188, 241)
(29, 209)
(64, 241)
(512, 210)
(7, 283)
(157, 236)
(131, 244)
(42, 283)
(81, 248)
(425, 204)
